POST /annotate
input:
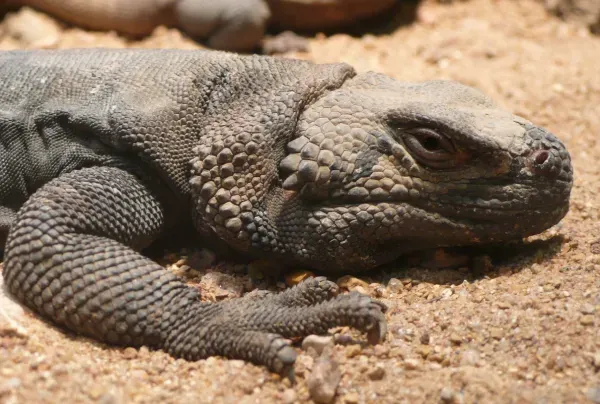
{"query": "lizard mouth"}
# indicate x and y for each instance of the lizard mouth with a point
(493, 215)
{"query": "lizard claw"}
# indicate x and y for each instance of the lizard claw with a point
(377, 333)
(285, 357)
(324, 284)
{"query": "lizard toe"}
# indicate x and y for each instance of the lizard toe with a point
(284, 356)
(330, 287)
(369, 316)
(378, 332)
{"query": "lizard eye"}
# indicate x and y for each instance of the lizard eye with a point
(430, 148)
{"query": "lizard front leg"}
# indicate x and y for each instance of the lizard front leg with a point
(71, 256)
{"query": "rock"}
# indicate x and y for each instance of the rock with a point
(351, 398)
(587, 320)
(130, 353)
(593, 394)
(424, 351)
(351, 283)
(581, 12)
(219, 286)
(353, 350)
(412, 364)
(381, 351)
(455, 339)
(317, 342)
(9, 385)
(324, 380)
(296, 277)
(587, 308)
(377, 373)
(395, 285)
(596, 360)
(304, 364)
(343, 339)
(425, 338)
(470, 357)
(447, 395)
(289, 396)
(496, 333)
(378, 291)
(11, 315)
(33, 29)
(446, 293)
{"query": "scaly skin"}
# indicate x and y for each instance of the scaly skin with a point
(234, 25)
(103, 151)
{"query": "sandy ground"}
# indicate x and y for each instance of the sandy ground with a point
(524, 329)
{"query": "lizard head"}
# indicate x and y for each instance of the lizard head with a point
(373, 168)
(380, 167)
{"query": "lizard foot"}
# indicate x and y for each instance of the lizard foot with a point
(255, 328)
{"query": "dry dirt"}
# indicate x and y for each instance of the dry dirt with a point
(524, 329)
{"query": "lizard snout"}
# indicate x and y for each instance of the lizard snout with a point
(548, 157)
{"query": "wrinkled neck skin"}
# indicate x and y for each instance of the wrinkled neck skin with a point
(352, 172)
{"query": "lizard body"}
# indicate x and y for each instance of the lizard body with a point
(102, 151)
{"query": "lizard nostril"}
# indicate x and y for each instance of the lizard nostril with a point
(540, 157)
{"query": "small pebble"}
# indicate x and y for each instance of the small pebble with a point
(351, 398)
(351, 283)
(108, 398)
(446, 293)
(296, 277)
(596, 360)
(130, 353)
(317, 342)
(587, 320)
(381, 350)
(447, 395)
(411, 364)
(288, 396)
(587, 309)
(378, 291)
(455, 339)
(425, 338)
(395, 285)
(594, 394)
(503, 305)
(343, 339)
(496, 333)
(96, 391)
(352, 351)
(377, 373)
(304, 363)
(324, 380)
(470, 357)
(10, 385)
(424, 351)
